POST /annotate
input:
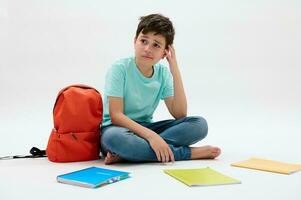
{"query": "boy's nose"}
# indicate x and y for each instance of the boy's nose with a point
(147, 48)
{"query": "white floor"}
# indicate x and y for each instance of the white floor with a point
(267, 137)
(35, 179)
(240, 63)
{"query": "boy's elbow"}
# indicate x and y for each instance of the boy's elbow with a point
(183, 115)
(114, 118)
(179, 112)
(180, 115)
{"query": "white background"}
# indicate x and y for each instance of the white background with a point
(240, 62)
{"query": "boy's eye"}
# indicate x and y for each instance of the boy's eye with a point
(143, 41)
(157, 45)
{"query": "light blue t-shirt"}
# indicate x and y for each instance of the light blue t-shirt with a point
(141, 95)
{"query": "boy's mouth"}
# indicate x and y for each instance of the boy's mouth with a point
(147, 57)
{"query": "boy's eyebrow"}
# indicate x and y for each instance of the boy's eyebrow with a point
(158, 42)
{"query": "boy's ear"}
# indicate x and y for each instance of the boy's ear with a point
(135, 39)
(164, 55)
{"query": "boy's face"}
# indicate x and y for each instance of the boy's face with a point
(149, 48)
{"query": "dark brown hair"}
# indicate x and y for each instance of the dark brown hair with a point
(159, 24)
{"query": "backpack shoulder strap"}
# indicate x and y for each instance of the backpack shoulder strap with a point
(34, 151)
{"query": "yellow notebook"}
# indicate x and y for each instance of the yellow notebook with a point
(200, 177)
(268, 165)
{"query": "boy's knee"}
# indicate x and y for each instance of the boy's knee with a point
(112, 138)
(199, 125)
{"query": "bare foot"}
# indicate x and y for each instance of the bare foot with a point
(205, 152)
(111, 159)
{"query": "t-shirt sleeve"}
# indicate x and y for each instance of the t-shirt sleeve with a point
(168, 89)
(114, 82)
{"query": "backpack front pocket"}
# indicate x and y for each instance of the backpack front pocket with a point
(71, 147)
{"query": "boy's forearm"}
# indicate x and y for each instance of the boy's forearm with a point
(122, 120)
(179, 106)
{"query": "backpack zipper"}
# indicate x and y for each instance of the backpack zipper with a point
(73, 135)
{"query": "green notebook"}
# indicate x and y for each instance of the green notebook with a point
(201, 177)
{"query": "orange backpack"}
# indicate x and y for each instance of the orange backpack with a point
(77, 115)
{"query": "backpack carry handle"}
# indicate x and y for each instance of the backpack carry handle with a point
(74, 85)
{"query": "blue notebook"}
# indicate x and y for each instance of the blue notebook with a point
(92, 177)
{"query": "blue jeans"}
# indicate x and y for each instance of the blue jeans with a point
(178, 134)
